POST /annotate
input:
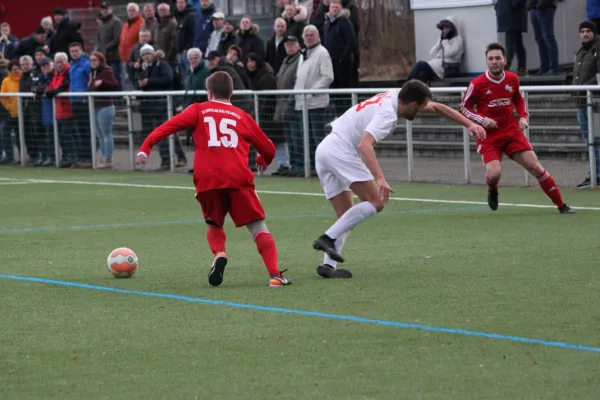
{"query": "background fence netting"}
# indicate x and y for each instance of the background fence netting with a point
(105, 132)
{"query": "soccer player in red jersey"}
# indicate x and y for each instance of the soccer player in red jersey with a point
(489, 101)
(224, 184)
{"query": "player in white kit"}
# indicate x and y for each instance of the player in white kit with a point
(346, 159)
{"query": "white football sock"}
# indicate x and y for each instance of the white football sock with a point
(351, 218)
(339, 245)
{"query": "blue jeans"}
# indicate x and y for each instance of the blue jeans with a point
(582, 117)
(104, 130)
(543, 30)
(281, 155)
(422, 71)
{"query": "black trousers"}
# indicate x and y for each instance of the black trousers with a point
(83, 141)
(514, 45)
(154, 113)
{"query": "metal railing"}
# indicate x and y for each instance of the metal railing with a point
(353, 95)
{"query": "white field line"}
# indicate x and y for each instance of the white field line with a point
(409, 199)
(16, 183)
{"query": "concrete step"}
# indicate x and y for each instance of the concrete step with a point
(537, 117)
(550, 133)
(393, 147)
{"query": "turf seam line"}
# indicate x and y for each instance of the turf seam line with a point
(409, 199)
(350, 318)
(201, 221)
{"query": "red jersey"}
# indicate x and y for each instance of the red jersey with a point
(222, 135)
(495, 99)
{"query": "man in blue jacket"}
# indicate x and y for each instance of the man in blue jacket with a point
(79, 74)
(203, 26)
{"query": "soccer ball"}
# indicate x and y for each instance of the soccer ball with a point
(122, 262)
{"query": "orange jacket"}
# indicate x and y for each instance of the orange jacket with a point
(10, 84)
(129, 37)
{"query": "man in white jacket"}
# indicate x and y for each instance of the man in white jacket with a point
(447, 54)
(315, 71)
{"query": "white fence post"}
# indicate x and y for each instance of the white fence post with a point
(306, 137)
(130, 133)
(92, 109)
(172, 137)
(526, 133)
(21, 130)
(256, 108)
(591, 141)
(55, 131)
(466, 150)
(409, 149)
(354, 99)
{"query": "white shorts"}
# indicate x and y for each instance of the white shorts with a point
(338, 165)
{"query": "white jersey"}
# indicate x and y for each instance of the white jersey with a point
(376, 115)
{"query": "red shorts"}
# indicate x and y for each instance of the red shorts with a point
(242, 205)
(493, 147)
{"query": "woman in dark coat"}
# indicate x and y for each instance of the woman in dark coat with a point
(511, 16)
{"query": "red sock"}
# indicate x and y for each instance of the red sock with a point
(490, 185)
(549, 187)
(268, 251)
(216, 239)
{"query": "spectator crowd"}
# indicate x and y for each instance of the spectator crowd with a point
(176, 45)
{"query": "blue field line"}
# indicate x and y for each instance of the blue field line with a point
(306, 313)
(198, 221)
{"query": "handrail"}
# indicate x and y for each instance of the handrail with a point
(442, 90)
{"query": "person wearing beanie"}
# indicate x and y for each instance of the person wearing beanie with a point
(585, 70)
(48, 26)
(67, 32)
(157, 76)
(29, 45)
(147, 49)
(228, 36)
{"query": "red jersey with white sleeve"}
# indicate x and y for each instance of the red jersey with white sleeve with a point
(222, 135)
(497, 99)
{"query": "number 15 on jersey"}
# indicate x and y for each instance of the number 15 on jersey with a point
(223, 135)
